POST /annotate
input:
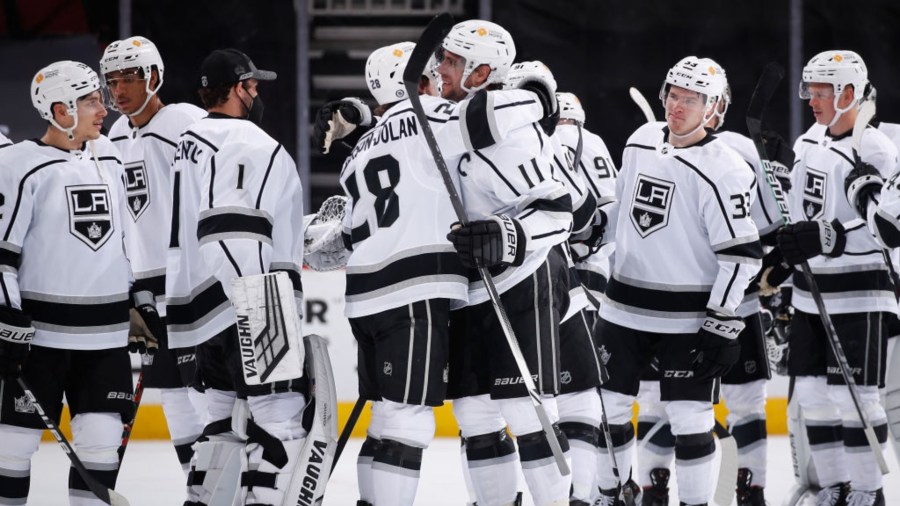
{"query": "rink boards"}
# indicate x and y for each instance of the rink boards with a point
(324, 315)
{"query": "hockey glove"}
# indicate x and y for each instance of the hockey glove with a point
(16, 334)
(717, 348)
(338, 119)
(781, 157)
(805, 239)
(861, 185)
(498, 240)
(146, 328)
(773, 273)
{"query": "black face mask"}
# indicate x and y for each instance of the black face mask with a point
(255, 109)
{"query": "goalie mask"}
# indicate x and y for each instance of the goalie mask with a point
(64, 81)
(481, 43)
(839, 68)
(384, 72)
(570, 107)
(133, 53)
(699, 75)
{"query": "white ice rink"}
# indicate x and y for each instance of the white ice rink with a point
(151, 476)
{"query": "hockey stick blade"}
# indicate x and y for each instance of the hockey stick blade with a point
(431, 37)
(642, 103)
(107, 495)
(728, 466)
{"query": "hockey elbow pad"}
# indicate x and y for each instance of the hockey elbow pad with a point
(861, 184)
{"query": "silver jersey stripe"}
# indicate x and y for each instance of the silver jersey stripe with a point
(235, 235)
(218, 211)
(74, 299)
(662, 286)
(64, 329)
(421, 280)
(671, 315)
(370, 268)
(202, 321)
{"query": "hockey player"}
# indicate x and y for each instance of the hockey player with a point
(4, 141)
(238, 212)
(146, 134)
(520, 217)
(848, 267)
(681, 189)
(401, 286)
(65, 286)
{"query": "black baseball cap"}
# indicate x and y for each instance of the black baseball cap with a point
(230, 66)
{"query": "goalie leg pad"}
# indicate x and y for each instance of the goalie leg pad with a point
(892, 395)
(19, 445)
(215, 472)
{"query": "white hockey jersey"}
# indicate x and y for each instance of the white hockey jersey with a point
(4, 141)
(237, 211)
(147, 154)
(400, 212)
(858, 280)
(516, 178)
(765, 212)
(62, 255)
(685, 240)
(598, 172)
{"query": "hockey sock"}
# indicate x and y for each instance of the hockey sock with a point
(584, 445)
(657, 452)
(18, 447)
(823, 429)
(493, 467)
(96, 438)
(622, 436)
(750, 436)
(395, 472)
(546, 484)
(861, 464)
(364, 469)
(185, 423)
(694, 464)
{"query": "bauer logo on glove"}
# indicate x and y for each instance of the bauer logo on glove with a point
(498, 240)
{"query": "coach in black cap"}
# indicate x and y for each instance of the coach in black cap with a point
(228, 74)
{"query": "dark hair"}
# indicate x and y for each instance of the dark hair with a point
(217, 95)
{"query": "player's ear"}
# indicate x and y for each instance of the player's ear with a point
(478, 76)
(60, 111)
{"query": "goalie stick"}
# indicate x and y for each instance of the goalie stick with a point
(431, 37)
(107, 495)
(728, 461)
(770, 79)
(347, 430)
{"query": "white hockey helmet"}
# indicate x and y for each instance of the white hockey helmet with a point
(481, 43)
(134, 52)
(384, 72)
(64, 81)
(699, 75)
(725, 98)
(570, 107)
(529, 71)
(839, 68)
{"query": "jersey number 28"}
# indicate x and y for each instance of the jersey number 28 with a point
(381, 175)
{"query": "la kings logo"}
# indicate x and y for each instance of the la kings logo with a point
(137, 189)
(814, 194)
(90, 214)
(650, 205)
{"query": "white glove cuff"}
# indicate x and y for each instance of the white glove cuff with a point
(365, 114)
(509, 238)
(723, 326)
(16, 334)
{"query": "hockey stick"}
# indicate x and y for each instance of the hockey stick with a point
(728, 466)
(431, 37)
(347, 430)
(761, 95)
(126, 429)
(642, 103)
(107, 495)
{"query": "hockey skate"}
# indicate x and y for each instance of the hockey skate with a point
(862, 498)
(748, 495)
(658, 493)
(835, 495)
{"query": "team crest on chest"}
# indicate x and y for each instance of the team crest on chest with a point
(814, 194)
(90, 214)
(137, 189)
(651, 203)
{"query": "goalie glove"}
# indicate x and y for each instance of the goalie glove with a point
(498, 240)
(781, 158)
(145, 328)
(861, 185)
(535, 77)
(16, 334)
(806, 239)
(338, 119)
(717, 347)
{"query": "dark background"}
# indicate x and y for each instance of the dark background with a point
(596, 49)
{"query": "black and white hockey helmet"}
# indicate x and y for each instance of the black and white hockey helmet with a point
(384, 72)
(699, 75)
(64, 81)
(570, 107)
(133, 53)
(481, 43)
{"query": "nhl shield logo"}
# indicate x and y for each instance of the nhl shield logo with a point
(137, 189)
(650, 206)
(814, 194)
(90, 214)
